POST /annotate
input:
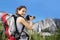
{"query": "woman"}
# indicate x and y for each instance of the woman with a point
(21, 12)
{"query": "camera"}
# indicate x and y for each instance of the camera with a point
(27, 17)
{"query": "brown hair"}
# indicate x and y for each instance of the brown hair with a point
(19, 8)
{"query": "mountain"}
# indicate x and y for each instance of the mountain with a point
(57, 22)
(47, 25)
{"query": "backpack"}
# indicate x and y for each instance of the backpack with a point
(9, 22)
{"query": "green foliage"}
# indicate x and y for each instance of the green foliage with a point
(33, 35)
(2, 33)
(36, 36)
(58, 35)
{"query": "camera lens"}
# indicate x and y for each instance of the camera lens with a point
(34, 17)
(27, 17)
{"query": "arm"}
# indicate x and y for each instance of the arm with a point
(27, 25)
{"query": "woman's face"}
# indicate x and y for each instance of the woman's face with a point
(22, 12)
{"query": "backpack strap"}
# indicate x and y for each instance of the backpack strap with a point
(15, 17)
(23, 25)
(17, 34)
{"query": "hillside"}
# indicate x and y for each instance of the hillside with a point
(44, 33)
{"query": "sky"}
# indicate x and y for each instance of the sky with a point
(41, 9)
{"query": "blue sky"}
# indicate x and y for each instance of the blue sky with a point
(39, 8)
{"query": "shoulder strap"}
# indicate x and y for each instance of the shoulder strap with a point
(22, 29)
(15, 17)
(17, 29)
(16, 25)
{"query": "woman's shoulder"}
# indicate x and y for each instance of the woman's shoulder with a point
(20, 19)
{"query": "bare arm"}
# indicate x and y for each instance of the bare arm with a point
(27, 25)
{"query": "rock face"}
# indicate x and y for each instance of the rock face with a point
(57, 22)
(48, 24)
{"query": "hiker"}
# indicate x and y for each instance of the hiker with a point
(15, 25)
(21, 12)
